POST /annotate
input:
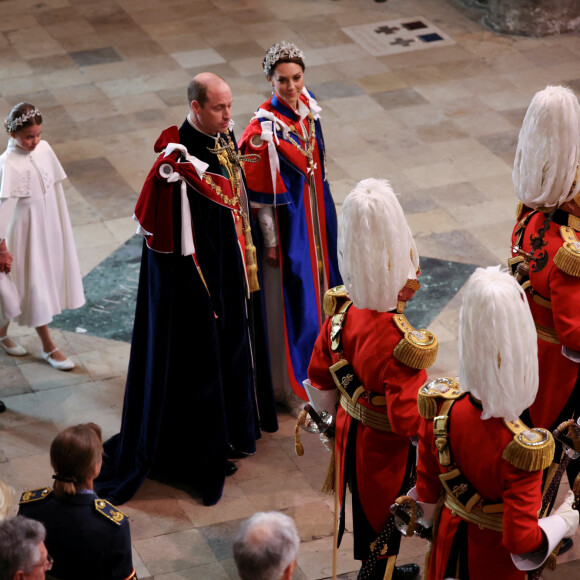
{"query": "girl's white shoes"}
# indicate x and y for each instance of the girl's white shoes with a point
(61, 365)
(17, 350)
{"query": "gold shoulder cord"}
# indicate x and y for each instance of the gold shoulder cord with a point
(231, 159)
(435, 391)
(567, 258)
(418, 348)
(530, 449)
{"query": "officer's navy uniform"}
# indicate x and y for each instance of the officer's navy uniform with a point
(86, 536)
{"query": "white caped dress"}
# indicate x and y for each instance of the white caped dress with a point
(35, 222)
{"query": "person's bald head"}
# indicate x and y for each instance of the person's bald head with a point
(210, 99)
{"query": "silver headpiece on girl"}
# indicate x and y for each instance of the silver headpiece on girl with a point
(12, 126)
(279, 51)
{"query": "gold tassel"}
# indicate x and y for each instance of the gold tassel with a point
(551, 561)
(251, 262)
(298, 447)
(328, 485)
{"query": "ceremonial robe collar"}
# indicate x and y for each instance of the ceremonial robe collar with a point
(214, 138)
(19, 169)
(284, 108)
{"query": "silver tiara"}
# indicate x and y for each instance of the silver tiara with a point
(12, 126)
(279, 51)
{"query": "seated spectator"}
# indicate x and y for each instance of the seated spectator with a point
(87, 536)
(23, 555)
(266, 547)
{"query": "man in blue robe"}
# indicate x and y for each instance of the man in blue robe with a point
(199, 386)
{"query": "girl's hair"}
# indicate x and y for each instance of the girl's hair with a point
(21, 116)
(74, 454)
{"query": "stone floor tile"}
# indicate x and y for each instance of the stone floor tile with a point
(441, 124)
(173, 552)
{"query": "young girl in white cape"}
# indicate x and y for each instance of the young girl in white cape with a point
(37, 249)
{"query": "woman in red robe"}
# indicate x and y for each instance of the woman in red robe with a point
(286, 179)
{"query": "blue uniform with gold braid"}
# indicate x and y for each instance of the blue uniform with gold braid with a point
(86, 536)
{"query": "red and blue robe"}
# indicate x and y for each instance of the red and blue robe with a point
(284, 184)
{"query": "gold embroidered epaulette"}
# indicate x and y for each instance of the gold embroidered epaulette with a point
(334, 299)
(108, 510)
(519, 210)
(418, 348)
(35, 495)
(567, 258)
(530, 449)
(435, 391)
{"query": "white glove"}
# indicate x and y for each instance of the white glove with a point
(568, 514)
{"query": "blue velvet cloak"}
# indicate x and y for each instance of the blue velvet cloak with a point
(199, 373)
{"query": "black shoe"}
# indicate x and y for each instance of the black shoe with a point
(406, 572)
(231, 468)
(237, 454)
(566, 544)
(2, 407)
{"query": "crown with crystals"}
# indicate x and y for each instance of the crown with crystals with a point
(12, 126)
(279, 51)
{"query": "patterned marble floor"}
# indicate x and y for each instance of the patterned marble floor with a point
(441, 123)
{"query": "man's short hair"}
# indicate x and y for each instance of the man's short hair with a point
(20, 540)
(266, 544)
(197, 91)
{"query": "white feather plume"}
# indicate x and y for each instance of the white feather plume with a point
(548, 151)
(498, 352)
(376, 250)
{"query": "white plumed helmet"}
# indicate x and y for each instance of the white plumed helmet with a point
(546, 163)
(498, 349)
(376, 250)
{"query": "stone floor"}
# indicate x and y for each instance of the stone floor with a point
(441, 123)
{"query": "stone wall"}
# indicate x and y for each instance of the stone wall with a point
(529, 17)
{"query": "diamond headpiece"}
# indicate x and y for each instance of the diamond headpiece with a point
(12, 126)
(279, 51)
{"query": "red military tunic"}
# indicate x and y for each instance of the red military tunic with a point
(462, 549)
(379, 462)
(553, 298)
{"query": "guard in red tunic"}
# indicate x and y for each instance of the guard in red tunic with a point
(546, 250)
(374, 361)
(478, 462)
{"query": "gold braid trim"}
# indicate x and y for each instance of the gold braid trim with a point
(432, 393)
(547, 334)
(519, 210)
(492, 521)
(368, 417)
(334, 298)
(530, 449)
(418, 348)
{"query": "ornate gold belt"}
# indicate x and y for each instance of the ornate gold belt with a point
(547, 334)
(365, 415)
(490, 521)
